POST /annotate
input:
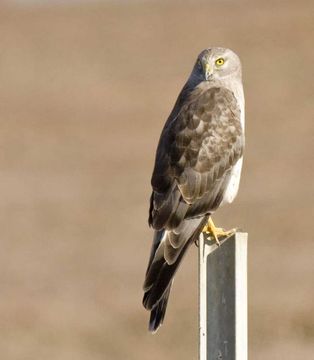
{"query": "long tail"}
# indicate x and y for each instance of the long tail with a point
(168, 249)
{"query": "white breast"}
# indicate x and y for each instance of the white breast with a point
(234, 182)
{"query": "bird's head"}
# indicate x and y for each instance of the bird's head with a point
(217, 63)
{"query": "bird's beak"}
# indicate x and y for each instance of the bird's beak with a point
(208, 71)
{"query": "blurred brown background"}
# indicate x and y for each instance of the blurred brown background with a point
(85, 89)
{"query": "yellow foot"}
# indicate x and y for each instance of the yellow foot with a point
(215, 232)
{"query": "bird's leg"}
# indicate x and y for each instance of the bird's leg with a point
(215, 232)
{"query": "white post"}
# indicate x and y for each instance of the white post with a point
(223, 298)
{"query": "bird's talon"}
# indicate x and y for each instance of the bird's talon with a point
(216, 233)
(217, 242)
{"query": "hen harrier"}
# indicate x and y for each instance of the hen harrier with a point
(197, 169)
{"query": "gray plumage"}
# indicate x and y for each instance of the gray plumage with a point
(197, 168)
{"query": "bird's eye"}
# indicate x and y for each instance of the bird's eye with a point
(199, 63)
(219, 61)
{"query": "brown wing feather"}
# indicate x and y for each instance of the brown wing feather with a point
(200, 143)
(195, 155)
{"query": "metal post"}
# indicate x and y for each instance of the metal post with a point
(223, 298)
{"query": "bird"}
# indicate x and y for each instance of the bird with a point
(197, 169)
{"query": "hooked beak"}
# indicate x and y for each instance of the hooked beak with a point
(208, 71)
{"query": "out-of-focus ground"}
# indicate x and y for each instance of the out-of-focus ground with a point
(85, 90)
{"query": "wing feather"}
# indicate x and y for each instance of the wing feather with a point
(196, 153)
(199, 145)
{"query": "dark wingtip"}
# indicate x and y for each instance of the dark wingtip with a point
(154, 323)
(158, 313)
(156, 318)
(145, 301)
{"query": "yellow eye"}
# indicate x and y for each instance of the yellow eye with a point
(219, 61)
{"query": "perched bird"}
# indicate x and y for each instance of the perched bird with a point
(197, 169)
